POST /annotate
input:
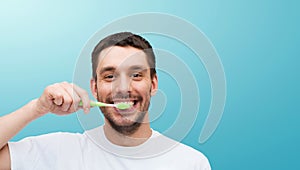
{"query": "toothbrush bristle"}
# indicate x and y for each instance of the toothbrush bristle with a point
(123, 105)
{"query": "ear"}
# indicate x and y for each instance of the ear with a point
(154, 85)
(93, 86)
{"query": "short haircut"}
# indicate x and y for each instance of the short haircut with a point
(124, 39)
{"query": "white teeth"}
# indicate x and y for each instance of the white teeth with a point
(129, 102)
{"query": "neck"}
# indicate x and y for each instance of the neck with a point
(138, 137)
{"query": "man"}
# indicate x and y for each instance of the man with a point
(123, 71)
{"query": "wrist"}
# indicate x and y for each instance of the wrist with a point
(35, 109)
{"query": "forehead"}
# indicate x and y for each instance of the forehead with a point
(122, 57)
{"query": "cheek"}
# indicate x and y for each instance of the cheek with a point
(142, 87)
(103, 89)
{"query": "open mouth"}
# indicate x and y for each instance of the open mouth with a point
(131, 102)
(126, 102)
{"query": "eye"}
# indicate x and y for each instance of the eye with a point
(109, 77)
(136, 76)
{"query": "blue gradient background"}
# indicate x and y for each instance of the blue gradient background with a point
(258, 43)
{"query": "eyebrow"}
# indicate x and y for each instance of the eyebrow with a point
(111, 68)
(138, 67)
(105, 69)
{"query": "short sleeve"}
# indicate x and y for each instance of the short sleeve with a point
(33, 152)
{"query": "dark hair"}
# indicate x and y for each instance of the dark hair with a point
(124, 39)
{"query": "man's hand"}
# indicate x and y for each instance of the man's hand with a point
(62, 98)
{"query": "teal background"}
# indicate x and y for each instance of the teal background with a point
(257, 41)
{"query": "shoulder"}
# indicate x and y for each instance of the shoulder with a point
(47, 140)
(178, 146)
(194, 158)
(55, 136)
(38, 150)
(186, 154)
(189, 152)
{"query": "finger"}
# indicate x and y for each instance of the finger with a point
(84, 98)
(67, 96)
(48, 101)
(74, 96)
(58, 100)
(55, 94)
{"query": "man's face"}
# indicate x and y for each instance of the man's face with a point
(123, 75)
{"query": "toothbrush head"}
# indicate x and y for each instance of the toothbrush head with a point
(123, 105)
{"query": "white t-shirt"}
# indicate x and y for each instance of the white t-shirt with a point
(93, 151)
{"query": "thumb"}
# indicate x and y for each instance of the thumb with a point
(58, 100)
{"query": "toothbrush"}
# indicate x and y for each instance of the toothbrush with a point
(121, 106)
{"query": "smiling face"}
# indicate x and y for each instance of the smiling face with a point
(123, 75)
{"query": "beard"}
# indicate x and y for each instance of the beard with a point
(130, 125)
(126, 129)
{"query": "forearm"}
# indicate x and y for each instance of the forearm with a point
(12, 123)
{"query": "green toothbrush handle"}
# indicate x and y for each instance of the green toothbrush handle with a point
(93, 103)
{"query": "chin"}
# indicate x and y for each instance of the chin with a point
(125, 124)
(125, 127)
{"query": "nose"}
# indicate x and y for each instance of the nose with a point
(122, 84)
